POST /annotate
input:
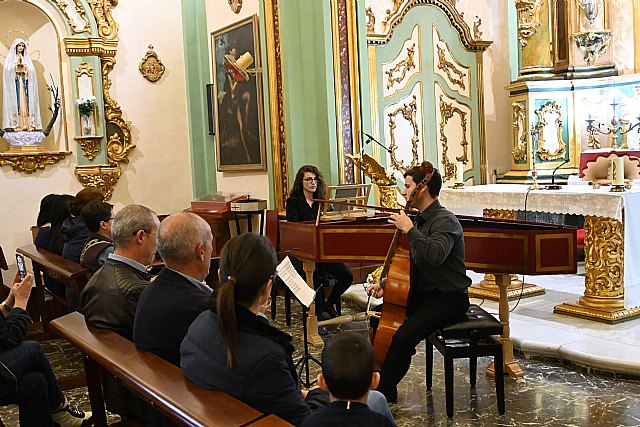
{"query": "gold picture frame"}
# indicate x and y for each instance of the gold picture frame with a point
(238, 108)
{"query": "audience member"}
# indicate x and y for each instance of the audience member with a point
(97, 216)
(348, 364)
(76, 234)
(231, 347)
(168, 306)
(110, 297)
(49, 237)
(26, 378)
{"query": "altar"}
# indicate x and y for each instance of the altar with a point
(612, 279)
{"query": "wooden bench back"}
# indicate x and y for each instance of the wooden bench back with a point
(153, 379)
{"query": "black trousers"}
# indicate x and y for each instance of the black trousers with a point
(431, 312)
(340, 273)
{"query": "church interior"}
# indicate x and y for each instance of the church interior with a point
(529, 110)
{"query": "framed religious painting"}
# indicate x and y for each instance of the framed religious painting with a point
(238, 109)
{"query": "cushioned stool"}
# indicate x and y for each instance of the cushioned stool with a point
(469, 337)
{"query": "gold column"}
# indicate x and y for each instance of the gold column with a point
(603, 298)
(488, 288)
(276, 103)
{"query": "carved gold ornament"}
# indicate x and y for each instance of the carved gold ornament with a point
(391, 12)
(593, 44)
(550, 108)
(79, 25)
(151, 67)
(119, 142)
(30, 162)
(409, 112)
(90, 145)
(450, 69)
(371, 20)
(604, 258)
(107, 27)
(403, 66)
(101, 177)
(384, 181)
(235, 5)
(446, 112)
(528, 18)
(499, 213)
(520, 128)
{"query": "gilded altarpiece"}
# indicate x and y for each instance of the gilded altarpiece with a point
(427, 71)
(84, 37)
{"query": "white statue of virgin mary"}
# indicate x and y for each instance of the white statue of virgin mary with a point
(20, 101)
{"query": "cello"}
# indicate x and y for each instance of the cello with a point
(397, 270)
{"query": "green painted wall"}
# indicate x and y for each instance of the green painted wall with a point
(196, 59)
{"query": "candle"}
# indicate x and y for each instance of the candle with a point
(617, 170)
(460, 173)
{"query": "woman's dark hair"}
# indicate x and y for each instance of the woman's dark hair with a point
(59, 212)
(298, 189)
(418, 173)
(44, 214)
(247, 262)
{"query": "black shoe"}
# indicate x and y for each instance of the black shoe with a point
(330, 309)
(322, 330)
(324, 316)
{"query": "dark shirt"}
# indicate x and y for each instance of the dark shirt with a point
(299, 210)
(75, 234)
(337, 415)
(13, 328)
(437, 251)
(166, 309)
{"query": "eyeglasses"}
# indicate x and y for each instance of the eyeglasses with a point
(310, 180)
(273, 276)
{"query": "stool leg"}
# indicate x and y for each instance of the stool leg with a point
(498, 364)
(287, 307)
(428, 355)
(473, 368)
(448, 383)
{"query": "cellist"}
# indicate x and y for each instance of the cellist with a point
(438, 276)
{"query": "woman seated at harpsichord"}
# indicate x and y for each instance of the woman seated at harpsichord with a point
(308, 185)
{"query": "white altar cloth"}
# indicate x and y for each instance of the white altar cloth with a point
(570, 199)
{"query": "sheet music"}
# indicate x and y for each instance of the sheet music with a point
(294, 282)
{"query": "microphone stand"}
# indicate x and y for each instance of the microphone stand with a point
(306, 358)
(370, 138)
(553, 185)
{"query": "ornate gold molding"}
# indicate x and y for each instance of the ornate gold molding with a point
(277, 102)
(391, 12)
(409, 112)
(151, 67)
(371, 20)
(30, 162)
(235, 5)
(519, 125)
(528, 18)
(550, 107)
(593, 44)
(384, 181)
(119, 142)
(101, 177)
(446, 112)
(450, 68)
(90, 46)
(404, 66)
(90, 145)
(107, 27)
(499, 213)
(63, 5)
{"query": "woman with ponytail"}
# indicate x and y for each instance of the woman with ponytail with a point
(231, 347)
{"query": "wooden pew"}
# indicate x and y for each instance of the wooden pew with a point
(63, 270)
(153, 379)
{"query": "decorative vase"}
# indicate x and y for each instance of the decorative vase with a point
(86, 125)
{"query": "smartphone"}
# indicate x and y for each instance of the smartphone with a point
(22, 270)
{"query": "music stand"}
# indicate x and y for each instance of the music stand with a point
(303, 363)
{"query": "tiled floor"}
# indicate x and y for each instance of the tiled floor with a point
(549, 394)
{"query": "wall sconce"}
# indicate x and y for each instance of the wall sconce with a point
(238, 69)
(616, 127)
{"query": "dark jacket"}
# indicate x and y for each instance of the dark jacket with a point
(437, 251)
(93, 251)
(165, 311)
(13, 328)
(110, 297)
(75, 234)
(263, 377)
(337, 415)
(299, 210)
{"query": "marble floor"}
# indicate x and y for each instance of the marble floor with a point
(577, 372)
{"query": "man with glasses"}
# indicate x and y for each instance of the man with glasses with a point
(110, 298)
(98, 217)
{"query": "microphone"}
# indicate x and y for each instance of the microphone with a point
(553, 185)
(370, 138)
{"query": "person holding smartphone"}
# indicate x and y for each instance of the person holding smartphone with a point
(26, 378)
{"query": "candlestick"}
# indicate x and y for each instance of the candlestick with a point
(617, 174)
(460, 173)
